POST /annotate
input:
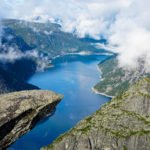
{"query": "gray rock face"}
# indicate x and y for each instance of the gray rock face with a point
(20, 111)
(122, 124)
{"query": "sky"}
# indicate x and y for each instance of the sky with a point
(124, 23)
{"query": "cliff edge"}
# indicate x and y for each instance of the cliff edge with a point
(20, 111)
(121, 124)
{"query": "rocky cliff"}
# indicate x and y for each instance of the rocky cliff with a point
(121, 124)
(20, 111)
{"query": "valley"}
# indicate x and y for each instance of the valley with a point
(38, 57)
(73, 76)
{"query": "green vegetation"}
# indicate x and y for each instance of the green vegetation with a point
(44, 40)
(115, 80)
(48, 38)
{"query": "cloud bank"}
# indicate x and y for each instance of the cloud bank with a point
(124, 23)
(12, 54)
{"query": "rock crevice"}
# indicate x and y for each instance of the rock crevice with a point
(20, 111)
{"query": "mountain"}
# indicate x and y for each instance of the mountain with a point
(20, 111)
(47, 38)
(122, 124)
(115, 79)
(10, 83)
(30, 46)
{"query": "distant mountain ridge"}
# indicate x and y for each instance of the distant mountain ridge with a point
(47, 38)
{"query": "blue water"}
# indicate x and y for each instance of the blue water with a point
(73, 76)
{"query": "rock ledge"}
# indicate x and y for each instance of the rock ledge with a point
(20, 111)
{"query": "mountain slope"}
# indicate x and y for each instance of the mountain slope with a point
(9, 83)
(122, 124)
(115, 80)
(45, 37)
(30, 46)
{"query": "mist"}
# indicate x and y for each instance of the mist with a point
(12, 54)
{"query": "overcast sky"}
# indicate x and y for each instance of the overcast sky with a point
(124, 23)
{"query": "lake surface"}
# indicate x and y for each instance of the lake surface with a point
(73, 76)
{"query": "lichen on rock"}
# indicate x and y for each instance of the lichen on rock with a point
(20, 111)
(121, 124)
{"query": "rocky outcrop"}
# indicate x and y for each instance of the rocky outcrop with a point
(121, 124)
(20, 111)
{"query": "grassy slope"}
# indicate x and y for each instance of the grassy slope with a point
(114, 79)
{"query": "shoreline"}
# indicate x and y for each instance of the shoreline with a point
(51, 65)
(95, 90)
(99, 70)
(82, 54)
(99, 93)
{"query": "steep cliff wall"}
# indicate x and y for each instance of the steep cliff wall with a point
(121, 124)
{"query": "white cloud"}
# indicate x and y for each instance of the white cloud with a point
(11, 54)
(124, 23)
(131, 33)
